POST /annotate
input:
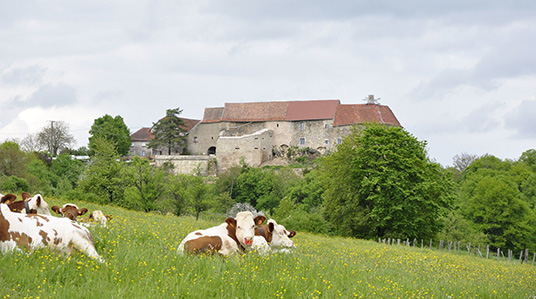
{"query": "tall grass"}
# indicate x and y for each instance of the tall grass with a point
(142, 262)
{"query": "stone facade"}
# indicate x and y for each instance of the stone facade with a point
(186, 164)
(258, 132)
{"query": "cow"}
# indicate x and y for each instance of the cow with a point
(96, 217)
(33, 231)
(233, 236)
(28, 204)
(70, 211)
(272, 237)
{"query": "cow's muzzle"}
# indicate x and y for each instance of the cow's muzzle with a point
(248, 240)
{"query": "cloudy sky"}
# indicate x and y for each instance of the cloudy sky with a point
(459, 74)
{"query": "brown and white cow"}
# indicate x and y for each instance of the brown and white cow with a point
(96, 217)
(272, 237)
(28, 204)
(35, 231)
(233, 236)
(70, 211)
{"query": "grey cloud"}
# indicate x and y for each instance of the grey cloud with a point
(481, 120)
(522, 120)
(30, 75)
(52, 95)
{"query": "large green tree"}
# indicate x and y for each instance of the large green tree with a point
(112, 129)
(497, 197)
(169, 133)
(381, 183)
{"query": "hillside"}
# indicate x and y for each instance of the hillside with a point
(141, 262)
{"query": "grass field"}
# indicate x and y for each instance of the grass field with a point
(142, 262)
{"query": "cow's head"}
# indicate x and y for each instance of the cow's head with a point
(280, 236)
(36, 204)
(243, 227)
(8, 198)
(70, 211)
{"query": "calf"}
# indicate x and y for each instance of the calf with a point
(70, 211)
(35, 231)
(272, 236)
(97, 217)
(232, 236)
(28, 204)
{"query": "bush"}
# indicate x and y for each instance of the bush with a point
(14, 184)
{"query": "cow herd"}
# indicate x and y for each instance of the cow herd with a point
(27, 224)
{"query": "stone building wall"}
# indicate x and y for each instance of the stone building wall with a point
(254, 148)
(185, 164)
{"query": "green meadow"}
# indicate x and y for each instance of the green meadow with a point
(142, 262)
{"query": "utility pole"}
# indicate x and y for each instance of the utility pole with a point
(51, 144)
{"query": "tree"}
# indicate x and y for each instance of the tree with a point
(102, 177)
(55, 137)
(31, 143)
(498, 198)
(169, 132)
(112, 129)
(529, 157)
(198, 194)
(12, 160)
(463, 160)
(380, 183)
(146, 184)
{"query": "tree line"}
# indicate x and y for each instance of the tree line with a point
(380, 183)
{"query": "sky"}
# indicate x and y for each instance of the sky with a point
(460, 75)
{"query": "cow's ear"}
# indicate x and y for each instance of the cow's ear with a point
(231, 221)
(38, 201)
(56, 209)
(271, 226)
(259, 220)
(109, 217)
(291, 234)
(25, 195)
(9, 198)
(82, 211)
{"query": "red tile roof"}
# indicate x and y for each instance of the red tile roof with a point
(362, 113)
(273, 111)
(143, 134)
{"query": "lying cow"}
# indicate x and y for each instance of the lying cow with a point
(28, 204)
(232, 236)
(272, 237)
(35, 231)
(69, 210)
(96, 217)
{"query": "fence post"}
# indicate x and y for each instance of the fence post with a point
(533, 258)
(487, 251)
(468, 249)
(430, 243)
(498, 253)
(526, 255)
(521, 257)
(422, 243)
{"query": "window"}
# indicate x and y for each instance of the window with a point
(277, 125)
(195, 139)
(302, 140)
(326, 142)
(326, 126)
(132, 144)
(302, 125)
(339, 140)
(144, 144)
(143, 153)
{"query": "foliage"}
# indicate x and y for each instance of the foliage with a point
(169, 132)
(102, 176)
(56, 137)
(12, 160)
(13, 184)
(380, 183)
(112, 129)
(68, 169)
(529, 157)
(144, 184)
(492, 198)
